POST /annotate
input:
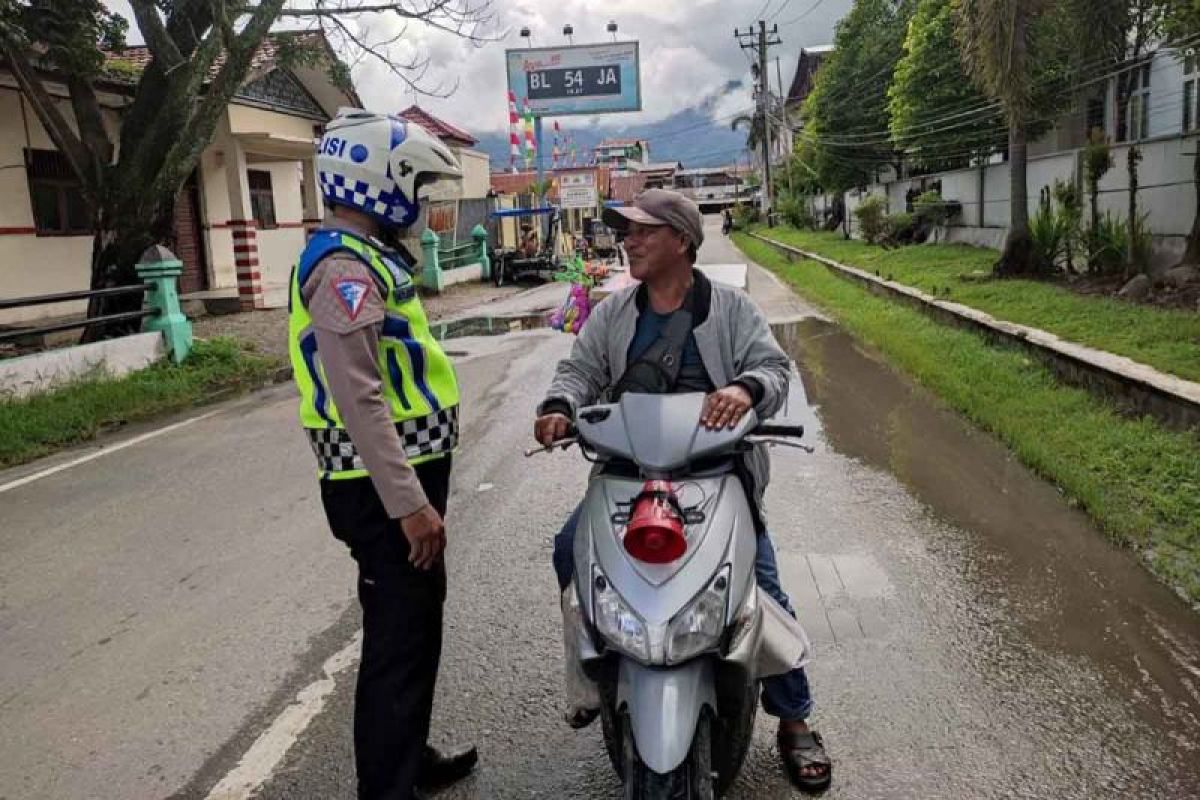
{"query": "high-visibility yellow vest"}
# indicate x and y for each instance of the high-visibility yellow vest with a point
(417, 377)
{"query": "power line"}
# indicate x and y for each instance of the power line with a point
(803, 14)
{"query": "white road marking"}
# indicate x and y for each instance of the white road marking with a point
(19, 482)
(269, 749)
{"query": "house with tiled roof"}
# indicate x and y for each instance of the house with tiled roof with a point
(240, 220)
(476, 165)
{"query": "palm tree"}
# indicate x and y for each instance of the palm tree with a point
(996, 37)
(755, 124)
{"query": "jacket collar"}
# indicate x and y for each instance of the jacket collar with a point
(701, 297)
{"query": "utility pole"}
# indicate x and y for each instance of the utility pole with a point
(765, 40)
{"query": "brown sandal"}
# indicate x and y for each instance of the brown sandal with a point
(805, 749)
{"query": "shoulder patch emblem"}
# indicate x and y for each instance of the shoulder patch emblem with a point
(352, 293)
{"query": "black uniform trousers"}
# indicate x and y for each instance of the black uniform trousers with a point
(402, 632)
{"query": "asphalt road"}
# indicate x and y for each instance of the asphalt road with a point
(162, 606)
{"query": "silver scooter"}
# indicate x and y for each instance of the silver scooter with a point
(664, 614)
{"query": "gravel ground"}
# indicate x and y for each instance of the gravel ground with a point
(267, 330)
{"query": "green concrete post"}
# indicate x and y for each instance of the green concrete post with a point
(160, 268)
(431, 276)
(480, 235)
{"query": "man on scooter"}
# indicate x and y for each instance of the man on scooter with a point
(730, 354)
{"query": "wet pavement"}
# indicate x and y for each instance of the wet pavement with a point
(976, 636)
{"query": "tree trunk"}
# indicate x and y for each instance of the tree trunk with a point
(1135, 155)
(119, 241)
(1192, 254)
(1017, 256)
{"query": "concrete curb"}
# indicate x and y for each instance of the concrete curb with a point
(1132, 385)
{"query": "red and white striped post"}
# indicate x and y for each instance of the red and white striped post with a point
(245, 258)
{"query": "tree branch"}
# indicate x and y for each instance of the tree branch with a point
(161, 45)
(47, 112)
(90, 121)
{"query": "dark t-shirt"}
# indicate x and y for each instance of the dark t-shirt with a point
(692, 375)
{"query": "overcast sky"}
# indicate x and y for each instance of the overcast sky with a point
(687, 47)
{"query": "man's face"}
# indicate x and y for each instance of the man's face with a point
(653, 250)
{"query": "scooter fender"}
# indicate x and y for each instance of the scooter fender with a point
(664, 705)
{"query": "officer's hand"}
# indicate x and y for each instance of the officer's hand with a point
(549, 428)
(724, 408)
(426, 537)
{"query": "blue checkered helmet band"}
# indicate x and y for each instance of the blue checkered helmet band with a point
(389, 207)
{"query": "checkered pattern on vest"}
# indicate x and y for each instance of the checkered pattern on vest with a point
(427, 436)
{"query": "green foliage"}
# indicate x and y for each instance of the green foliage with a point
(1139, 481)
(900, 227)
(849, 98)
(931, 209)
(871, 214)
(745, 215)
(1107, 244)
(1141, 243)
(1052, 234)
(38, 425)
(795, 211)
(1166, 340)
(72, 35)
(930, 84)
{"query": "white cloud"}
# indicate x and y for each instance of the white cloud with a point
(688, 53)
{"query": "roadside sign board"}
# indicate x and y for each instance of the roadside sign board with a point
(577, 79)
(577, 190)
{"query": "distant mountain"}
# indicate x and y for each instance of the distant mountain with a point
(691, 136)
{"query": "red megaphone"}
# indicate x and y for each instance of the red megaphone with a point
(655, 531)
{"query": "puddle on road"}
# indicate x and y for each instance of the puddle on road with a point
(488, 326)
(1068, 589)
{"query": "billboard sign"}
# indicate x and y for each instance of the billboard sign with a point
(577, 190)
(578, 79)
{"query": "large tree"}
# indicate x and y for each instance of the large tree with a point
(846, 114)
(1022, 54)
(201, 52)
(938, 117)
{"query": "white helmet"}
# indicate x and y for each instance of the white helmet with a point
(377, 163)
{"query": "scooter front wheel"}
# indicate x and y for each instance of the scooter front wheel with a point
(694, 779)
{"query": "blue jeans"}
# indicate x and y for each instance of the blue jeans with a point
(786, 696)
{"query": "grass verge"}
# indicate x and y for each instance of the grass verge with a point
(1138, 480)
(38, 425)
(1164, 339)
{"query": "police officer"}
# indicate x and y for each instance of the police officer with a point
(379, 403)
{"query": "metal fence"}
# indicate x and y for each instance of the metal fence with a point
(46, 299)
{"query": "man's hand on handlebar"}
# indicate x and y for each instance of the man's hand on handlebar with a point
(550, 428)
(724, 408)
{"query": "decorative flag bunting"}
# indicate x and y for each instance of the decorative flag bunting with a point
(557, 149)
(514, 142)
(530, 144)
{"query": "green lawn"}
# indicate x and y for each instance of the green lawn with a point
(1166, 340)
(1139, 481)
(41, 424)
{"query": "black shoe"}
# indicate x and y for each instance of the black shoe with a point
(440, 769)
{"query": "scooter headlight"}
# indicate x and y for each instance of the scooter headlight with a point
(616, 621)
(699, 626)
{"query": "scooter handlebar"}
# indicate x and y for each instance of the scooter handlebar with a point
(792, 431)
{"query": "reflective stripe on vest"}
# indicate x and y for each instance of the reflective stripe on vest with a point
(416, 375)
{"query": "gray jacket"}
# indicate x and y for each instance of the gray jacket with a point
(735, 344)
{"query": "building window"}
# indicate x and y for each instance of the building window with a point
(1133, 117)
(1191, 93)
(262, 200)
(56, 195)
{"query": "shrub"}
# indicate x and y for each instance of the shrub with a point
(901, 227)
(1050, 235)
(1107, 243)
(795, 212)
(931, 209)
(744, 216)
(871, 214)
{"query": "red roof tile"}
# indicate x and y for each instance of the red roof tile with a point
(138, 56)
(439, 128)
